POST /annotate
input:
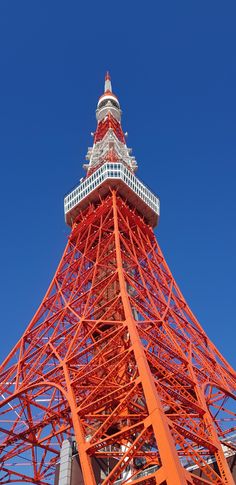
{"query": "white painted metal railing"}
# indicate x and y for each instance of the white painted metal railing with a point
(111, 171)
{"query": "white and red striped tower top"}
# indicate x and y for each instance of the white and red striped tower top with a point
(109, 139)
(110, 166)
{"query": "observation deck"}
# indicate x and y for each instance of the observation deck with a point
(110, 176)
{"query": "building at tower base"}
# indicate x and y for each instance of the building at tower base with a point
(75, 476)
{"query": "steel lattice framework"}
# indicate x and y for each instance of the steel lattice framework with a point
(115, 357)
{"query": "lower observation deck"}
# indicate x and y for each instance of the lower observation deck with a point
(112, 175)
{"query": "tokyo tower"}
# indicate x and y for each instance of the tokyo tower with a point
(114, 361)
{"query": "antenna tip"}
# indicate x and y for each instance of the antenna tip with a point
(107, 86)
(107, 76)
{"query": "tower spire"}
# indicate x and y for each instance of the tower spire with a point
(109, 139)
(108, 86)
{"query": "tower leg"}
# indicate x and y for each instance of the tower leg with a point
(173, 470)
(85, 460)
(220, 457)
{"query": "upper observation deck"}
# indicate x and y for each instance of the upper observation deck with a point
(108, 176)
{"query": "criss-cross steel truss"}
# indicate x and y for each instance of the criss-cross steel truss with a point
(115, 357)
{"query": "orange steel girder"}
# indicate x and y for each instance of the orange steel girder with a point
(115, 357)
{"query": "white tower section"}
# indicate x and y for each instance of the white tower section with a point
(109, 134)
(111, 166)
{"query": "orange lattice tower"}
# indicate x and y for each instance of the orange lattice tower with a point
(114, 356)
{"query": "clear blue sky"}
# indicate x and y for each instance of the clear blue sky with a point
(173, 66)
